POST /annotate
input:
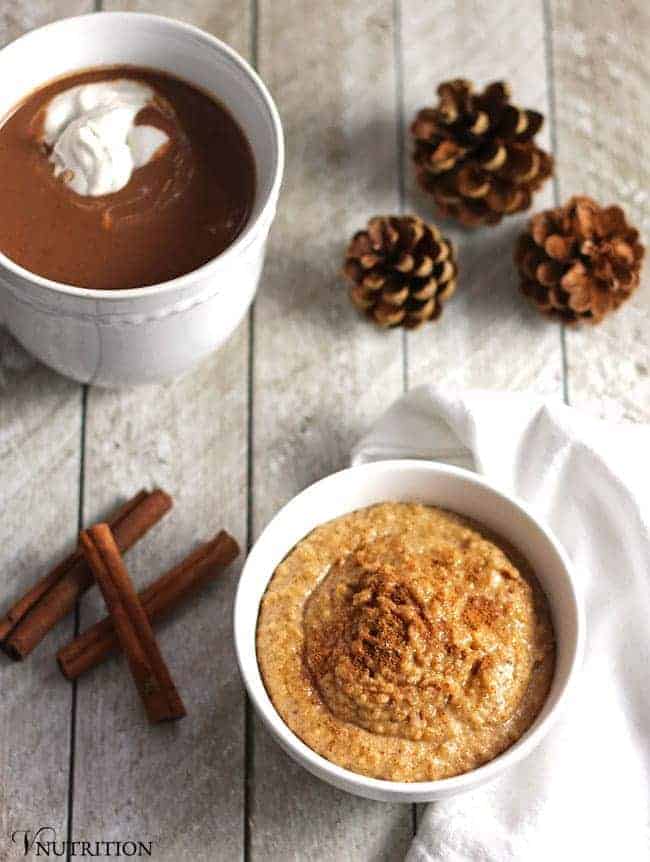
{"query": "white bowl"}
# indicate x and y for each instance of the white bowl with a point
(114, 338)
(423, 482)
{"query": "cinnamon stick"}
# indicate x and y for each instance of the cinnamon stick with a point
(161, 700)
(158, 599)
(54, 596)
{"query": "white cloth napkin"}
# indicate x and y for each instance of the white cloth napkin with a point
(584, 794)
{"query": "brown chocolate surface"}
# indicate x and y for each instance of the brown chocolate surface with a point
(177, 212)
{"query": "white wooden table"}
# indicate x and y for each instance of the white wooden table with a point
(282, 403)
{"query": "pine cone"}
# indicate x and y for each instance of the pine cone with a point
(476, 155)
(402, 271)
(580, 261)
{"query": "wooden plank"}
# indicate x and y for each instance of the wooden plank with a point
(602, 70)
(488, 336)
(180, 786)
(40, 421)
(19, 16)
(321, 373)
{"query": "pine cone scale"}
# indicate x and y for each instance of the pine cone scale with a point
(492, 157)
(396, 297)
(424, 268)
(427, 291)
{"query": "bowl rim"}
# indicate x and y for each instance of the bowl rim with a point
(378, 788)
(248, 233)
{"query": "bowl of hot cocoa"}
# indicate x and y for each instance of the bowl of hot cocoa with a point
(140, 166)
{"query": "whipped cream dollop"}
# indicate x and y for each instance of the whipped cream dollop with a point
(95, 144)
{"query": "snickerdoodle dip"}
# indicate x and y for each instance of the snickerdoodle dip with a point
(401, 642)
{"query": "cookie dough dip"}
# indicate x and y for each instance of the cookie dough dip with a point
(403, 642)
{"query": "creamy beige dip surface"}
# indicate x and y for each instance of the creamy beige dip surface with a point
(402, 643)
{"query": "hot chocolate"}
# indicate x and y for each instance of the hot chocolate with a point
(120, 178)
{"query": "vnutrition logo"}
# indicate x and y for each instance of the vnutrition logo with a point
(43, 843)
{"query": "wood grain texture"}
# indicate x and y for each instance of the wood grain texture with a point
(180, 786)
(487, 336)
(321, 374)
(19, 16)
(40, 421)
(602, 81)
